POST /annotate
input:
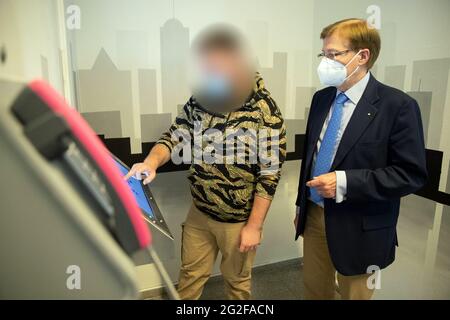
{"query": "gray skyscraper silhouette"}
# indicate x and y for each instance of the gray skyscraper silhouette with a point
(147, 91)
(394, 76)
(106, 88)
(432, 75)
(275, 79)
(174, 56)
(424, 99)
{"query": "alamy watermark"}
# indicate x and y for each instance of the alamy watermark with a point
(73, 281)
(374, 18)
(73, 20)
(374, 280)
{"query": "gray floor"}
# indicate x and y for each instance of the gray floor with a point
(421, 269)
(278, 281)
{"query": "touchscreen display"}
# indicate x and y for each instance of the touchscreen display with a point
(138, 191)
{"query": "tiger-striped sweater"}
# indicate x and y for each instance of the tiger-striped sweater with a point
(225, 191)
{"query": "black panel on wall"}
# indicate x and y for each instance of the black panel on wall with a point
(431, 189)
(121, 147)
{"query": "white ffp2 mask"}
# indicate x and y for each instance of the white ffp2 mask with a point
(334, 73)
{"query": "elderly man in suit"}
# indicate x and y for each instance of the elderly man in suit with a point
(364, 150)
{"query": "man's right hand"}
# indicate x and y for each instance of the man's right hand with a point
(158, 156)
(139, 169)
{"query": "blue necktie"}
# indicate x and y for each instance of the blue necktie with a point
(327, 147)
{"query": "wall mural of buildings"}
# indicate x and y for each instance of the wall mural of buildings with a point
(130, 74)
(120, 98)
(134, 85)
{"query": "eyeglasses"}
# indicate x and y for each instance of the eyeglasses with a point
(333, 55)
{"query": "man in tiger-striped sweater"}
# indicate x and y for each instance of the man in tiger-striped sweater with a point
(236, 157)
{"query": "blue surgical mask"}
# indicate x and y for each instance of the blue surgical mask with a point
(216, 87)
(214, 92)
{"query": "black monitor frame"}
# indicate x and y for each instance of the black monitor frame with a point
(158, 222)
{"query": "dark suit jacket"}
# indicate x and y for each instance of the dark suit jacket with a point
(382, 152)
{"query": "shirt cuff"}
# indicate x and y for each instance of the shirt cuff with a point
(341, 186)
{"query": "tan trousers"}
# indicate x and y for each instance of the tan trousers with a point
(203, 238)
(318, 269)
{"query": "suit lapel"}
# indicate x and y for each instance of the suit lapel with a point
(321, 111)
(363, 115)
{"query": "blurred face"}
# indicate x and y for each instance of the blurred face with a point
(224, 62)
(224, 80)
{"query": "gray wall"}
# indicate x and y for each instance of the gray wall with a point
(123, 65)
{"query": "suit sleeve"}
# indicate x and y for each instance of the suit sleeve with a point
(406, 171)
(305, 145)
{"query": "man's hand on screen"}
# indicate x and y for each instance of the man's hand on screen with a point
(141, 170)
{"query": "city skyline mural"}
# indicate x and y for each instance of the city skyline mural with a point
(128, 70)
